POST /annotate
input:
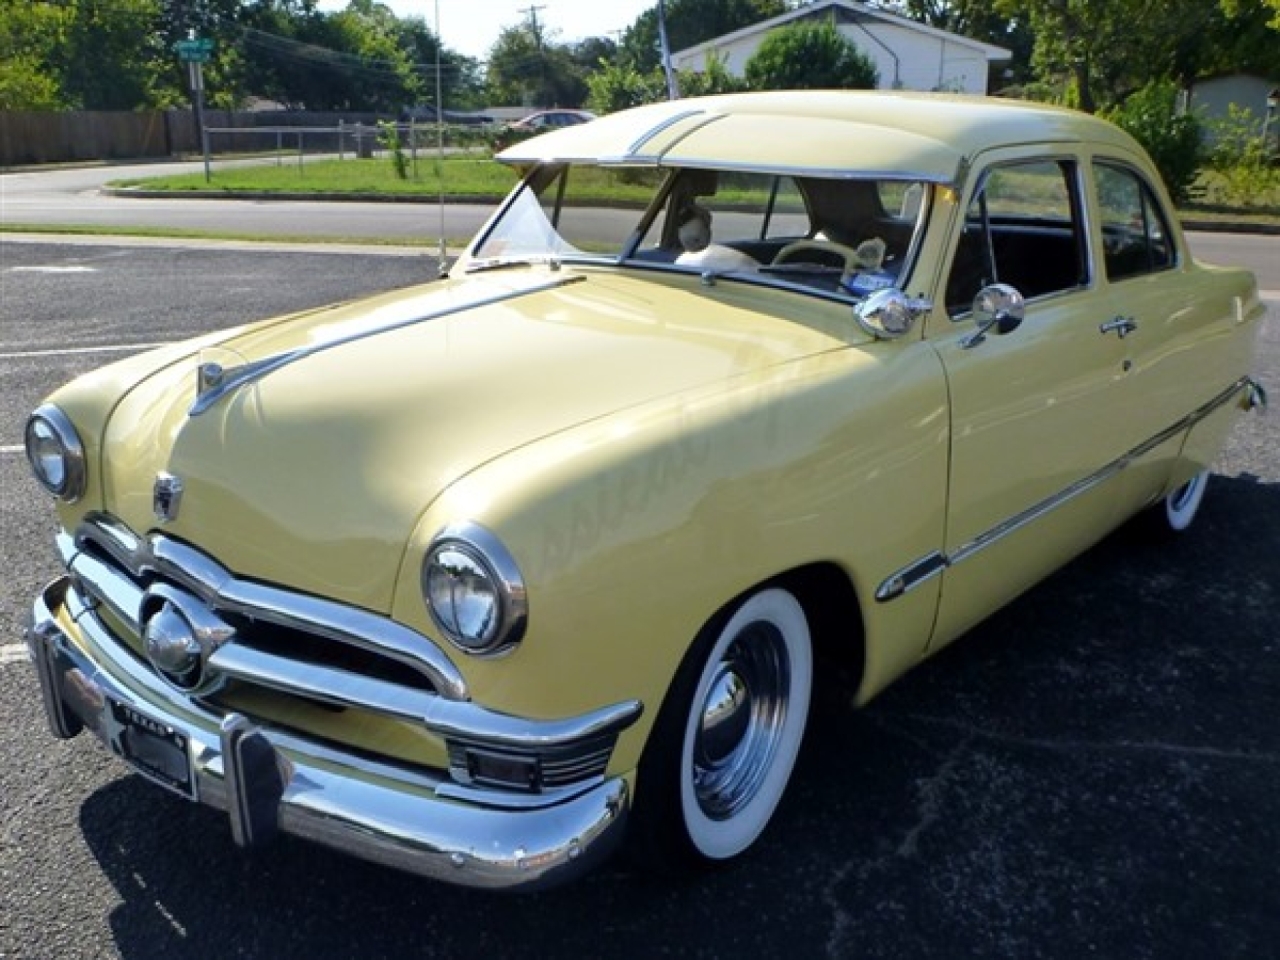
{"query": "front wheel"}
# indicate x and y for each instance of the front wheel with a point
(726, 740)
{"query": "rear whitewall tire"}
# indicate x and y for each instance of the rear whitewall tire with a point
(1182, 505)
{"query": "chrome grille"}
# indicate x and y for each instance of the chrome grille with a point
(279, 634)
(265, 637)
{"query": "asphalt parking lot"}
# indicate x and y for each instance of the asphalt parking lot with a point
(1095, 771)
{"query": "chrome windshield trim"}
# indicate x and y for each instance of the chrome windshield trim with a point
(215, 382)
(222, 591)
(920, 571)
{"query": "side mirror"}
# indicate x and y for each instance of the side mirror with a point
(889, 313)
(999, 308)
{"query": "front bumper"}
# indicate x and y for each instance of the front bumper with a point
(272, 781)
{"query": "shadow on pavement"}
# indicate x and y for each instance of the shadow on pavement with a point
(1094, 770)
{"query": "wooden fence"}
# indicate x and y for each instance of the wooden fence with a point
(37, 138)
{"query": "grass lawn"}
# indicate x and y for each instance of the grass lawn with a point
(454, 176)
(1218, 197)
(480, 177)
(462, 176)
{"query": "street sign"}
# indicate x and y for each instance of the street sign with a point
(194, 51)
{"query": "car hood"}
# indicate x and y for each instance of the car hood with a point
(314, 470)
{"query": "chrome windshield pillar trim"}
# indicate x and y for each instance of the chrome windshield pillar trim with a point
(223, 592)
(380, 812)
(929, 566)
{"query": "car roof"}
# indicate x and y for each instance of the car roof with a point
(819, 133)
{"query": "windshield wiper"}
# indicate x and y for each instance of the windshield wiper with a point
(506, 263)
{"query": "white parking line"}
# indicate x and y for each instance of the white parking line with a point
(13, 653)
(13, 448)
(74, 351)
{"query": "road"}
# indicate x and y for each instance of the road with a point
(62, 197)
(1094, 771)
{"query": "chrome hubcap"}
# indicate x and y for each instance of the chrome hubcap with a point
(741, 721)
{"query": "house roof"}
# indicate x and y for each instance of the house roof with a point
(992, 53)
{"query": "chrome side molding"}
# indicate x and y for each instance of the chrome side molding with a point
(906, 579)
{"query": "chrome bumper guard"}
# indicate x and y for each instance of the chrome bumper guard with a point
(270, 781)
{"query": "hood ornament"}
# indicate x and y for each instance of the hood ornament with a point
(166, 496)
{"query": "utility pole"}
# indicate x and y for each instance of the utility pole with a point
(673, 88)
(532, 11)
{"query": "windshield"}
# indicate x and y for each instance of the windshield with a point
(845, 237)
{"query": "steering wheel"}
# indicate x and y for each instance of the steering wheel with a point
(846, 253)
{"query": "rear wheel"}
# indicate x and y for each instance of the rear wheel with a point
(724, 745)
(1182, 505)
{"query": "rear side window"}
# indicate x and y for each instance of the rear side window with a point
(1135, 233)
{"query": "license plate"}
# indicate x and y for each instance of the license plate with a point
(153, 748)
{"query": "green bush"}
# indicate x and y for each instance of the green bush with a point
(1241, 158)
(389, 137)
(810, 56)
(1175, 141)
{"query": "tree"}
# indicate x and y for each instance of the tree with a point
(978, 19)
(112, 54)
(528, 69)
(29, 35)
(1094, 53)
(462, 85)
(689, 23)
(808, 55)
(1174, 141)
(617, 86)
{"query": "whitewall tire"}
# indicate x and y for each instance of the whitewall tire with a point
(744, 724)
(1182, 505)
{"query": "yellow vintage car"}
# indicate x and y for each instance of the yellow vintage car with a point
(474, 577)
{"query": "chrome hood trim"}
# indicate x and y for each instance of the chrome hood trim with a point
(215, 381)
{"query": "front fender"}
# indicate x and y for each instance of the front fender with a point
(633, 530)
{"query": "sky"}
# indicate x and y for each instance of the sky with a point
(472, 26)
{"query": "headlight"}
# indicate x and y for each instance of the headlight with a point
(55, 453)
(474, 590)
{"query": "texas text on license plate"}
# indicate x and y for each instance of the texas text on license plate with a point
(153, 748)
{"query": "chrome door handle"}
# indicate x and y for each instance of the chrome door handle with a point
(1121, 325)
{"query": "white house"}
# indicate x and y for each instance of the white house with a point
(908, 55)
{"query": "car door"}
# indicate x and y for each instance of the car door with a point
(1036, 413)
(1182, 353)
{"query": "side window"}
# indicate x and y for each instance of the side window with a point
(788, 216)
(1023, 228)
(753, 213)
(1135, 234)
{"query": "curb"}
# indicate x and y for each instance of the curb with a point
(1230, 226)
(143, 194)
